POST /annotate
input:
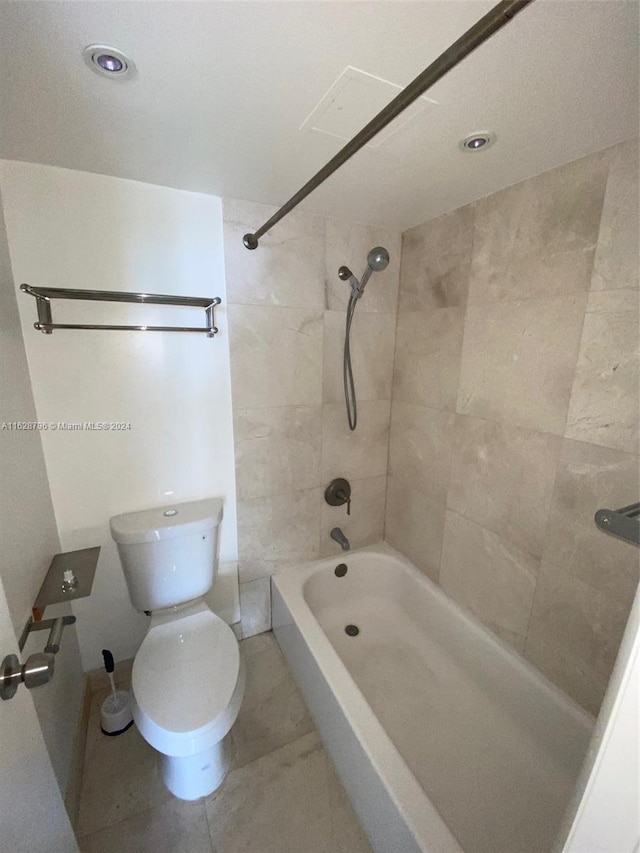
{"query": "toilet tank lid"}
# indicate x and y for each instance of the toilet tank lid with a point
(166, 522)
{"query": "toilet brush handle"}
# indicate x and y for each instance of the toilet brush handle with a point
(108, 660)
(109, 666)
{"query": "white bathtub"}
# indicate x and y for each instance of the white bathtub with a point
(444, 738)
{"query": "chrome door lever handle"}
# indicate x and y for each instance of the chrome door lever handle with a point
(37, 670)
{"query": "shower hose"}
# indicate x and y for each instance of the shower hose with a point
(347, 370)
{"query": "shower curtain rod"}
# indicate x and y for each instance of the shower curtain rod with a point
(480, 32)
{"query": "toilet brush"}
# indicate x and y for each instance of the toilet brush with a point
(115, 713)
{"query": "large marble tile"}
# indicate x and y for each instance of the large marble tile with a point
(255, 607)
(258, 643)
(616, 263)
(538, 275)
(518, 361)
(589, 478)
(427, 359)
(122, 776)
(276, 531)
(556, 212)
(414, 524)
(372, 343)
(348, 244)
(276, 356)
(585, 623)
(288, 266)
(358, 454)
(273, 712)
(277, 450)
(174, 827)
(537, 239)
(365, 525)
(570, 675)
(502, 478)
(605, 404)
(574, 635)
(487, 574)
(420, 448)
(436, 257)
(286, 802)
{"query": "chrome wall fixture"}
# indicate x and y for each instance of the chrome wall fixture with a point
(623, 523)
(39, 668)
(473, 38)
(45, 324)
(55, 627)
(70, 576)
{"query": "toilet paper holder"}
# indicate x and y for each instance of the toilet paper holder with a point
(39, 668)
(54, 626)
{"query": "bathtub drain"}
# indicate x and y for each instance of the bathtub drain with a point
(340, 570)
(352, 630)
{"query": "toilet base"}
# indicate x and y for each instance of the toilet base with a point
(194, 776)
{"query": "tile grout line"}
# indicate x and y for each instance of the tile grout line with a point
(270, 752)
(455, 407)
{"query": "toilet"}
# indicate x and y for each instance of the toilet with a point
(188, 677)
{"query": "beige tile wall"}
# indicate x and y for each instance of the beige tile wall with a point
(286, 326)
(515, 411)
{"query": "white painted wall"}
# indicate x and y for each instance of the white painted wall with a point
(27, 524)
(79, 230)
(28, 533)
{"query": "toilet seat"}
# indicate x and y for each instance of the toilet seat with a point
(187, 681)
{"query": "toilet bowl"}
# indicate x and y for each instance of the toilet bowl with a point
(187, 684)
(188, 677)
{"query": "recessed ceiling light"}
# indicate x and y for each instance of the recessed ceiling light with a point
(477, 141)
(107, 60)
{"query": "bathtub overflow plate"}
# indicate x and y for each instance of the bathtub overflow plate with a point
(340, 570)
(352, 630)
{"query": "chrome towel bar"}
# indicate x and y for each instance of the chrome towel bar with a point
(45, 324)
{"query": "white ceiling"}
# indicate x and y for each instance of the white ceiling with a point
(223, 88)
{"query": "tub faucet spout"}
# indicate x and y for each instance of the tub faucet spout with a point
(340, 538)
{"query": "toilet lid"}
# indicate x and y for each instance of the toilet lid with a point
(186, 671)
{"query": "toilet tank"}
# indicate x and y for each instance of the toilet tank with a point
(168, 553)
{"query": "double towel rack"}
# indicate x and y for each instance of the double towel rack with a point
(45, 324)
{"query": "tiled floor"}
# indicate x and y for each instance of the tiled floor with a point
(281, 795)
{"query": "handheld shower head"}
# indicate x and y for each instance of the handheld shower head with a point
(378, 258)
